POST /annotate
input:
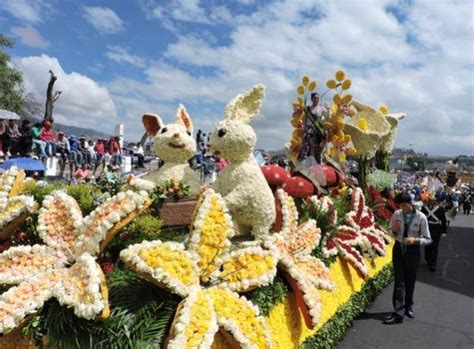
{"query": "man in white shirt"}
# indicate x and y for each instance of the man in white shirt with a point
(410, 228)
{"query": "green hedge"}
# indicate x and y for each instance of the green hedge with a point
(335, 329)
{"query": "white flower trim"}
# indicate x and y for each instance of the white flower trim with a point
(184, 319)
(378, 248)
(195, 236)
(131, 257)
(23, 307)
(7, 179)
(16, 275)
(89, 235)
(7, 214)
(73, 210)
(302, 278)
(325, 204)
(345, 255)
(142, 184)
(85, 263)
(288, 211)
(257, 281)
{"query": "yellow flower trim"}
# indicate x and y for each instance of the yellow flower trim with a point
(238, 311)
(211, 234)
(362, 124)
(247, 266)
(287, 324)
(201, 315)
(383, 109)
(175, 263)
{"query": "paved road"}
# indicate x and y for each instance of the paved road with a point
(444, 302)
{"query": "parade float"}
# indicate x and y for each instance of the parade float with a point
(271, 257)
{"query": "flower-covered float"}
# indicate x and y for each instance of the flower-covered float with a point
(64, 266)
(297, 279)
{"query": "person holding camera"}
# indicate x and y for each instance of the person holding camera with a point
(411, 231)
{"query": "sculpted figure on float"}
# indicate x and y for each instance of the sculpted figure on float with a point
(174, 144)
(242, 184)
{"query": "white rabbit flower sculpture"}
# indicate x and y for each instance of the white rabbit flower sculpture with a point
(242, 184)
(174, 144)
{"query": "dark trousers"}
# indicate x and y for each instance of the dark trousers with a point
(405, 266)
(431, 251)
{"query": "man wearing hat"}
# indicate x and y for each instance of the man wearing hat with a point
(411, 231)
(437, 224)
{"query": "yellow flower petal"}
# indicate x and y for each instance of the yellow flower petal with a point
(340, 75)
(305, 80)
(331, 83)
(300, 90)
(346, 99)
(362, 124)
(312, 85)
(337, 99)
(384, 109)
(342, 157)
(346, 84)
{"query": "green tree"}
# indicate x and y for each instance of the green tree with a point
(416, 163)
(11, 92)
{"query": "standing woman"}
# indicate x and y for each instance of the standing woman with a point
(437, 225)
(411, 231)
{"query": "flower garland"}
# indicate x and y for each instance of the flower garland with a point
(59, 268)
(359, 236)
(208, 276)
(305, 273)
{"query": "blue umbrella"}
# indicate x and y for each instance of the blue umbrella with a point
(26, 164)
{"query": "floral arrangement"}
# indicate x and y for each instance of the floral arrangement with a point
(242, 184)
(63, 267)
(305, 273)
(339, 141)
(297, 121)
(393, 119)
(14, 208)
(367, 127)
(208, 276)
(383, 207)
(360, 235)
(381, 180)
(174, 144)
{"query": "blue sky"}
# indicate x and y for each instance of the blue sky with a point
(118, 59)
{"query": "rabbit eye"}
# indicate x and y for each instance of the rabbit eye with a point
(189, 133)
(221, 132)
(164, 130)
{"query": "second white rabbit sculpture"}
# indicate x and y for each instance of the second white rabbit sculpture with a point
(242, 184)
(174, 144)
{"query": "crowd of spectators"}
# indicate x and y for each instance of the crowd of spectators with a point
(41, 141)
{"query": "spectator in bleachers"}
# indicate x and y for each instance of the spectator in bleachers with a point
(99, 150)
(76, 155)
(26, 139)
(47, 136)
(115, 151)
(38, 144)
(83, 149)
(2, 131)
(10, 137)
(63, 147)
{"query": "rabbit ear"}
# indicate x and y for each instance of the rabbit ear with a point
(152, 123)
(184, 118)
(246, 106)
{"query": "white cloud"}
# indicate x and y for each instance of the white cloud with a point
(32, 11)
(30, 36)
(83, 101)
(185, 11)
(120, 54)
(104, 19)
